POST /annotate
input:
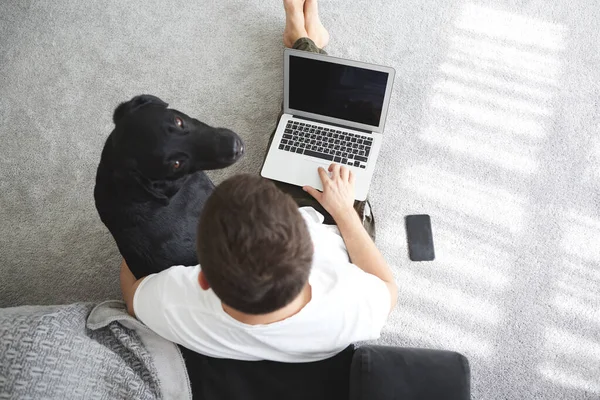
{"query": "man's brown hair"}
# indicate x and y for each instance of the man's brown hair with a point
(253, 245)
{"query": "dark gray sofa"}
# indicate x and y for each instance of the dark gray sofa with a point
(366, 372)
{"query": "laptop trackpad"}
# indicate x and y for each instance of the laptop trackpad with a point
(302, 170)
(307, 173)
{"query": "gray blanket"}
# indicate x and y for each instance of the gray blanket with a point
(86, 351)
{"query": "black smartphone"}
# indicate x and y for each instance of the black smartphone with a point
(420, 238)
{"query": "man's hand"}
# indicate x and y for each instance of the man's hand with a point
(338, 191)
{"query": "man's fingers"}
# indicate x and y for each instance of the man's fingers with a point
(345, 172)
(313, 192)
(350, 176)
(323, 175)
(335, 170)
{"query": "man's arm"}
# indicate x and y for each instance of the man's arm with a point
(128, 286)
(338, 199)
(363, 252)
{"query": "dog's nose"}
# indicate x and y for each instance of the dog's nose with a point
(238, 149)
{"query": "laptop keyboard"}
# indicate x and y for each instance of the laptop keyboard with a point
(326, 143)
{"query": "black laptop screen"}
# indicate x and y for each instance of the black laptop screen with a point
(338, 91)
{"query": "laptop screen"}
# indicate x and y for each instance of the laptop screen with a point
(336, 90)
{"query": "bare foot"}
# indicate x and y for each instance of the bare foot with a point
(294, 22)
(316, 31)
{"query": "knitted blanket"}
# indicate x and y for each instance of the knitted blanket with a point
(86, 351)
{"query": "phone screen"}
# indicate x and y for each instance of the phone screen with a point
(420, 238)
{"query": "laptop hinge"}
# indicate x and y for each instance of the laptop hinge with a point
(331, 123)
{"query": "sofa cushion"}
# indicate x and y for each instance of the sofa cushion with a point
(214, 378)
(381, 372)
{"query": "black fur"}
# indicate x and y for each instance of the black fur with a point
(149, 206)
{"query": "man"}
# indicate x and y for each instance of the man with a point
(274, 282)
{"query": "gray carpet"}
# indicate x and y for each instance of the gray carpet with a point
(493, 130)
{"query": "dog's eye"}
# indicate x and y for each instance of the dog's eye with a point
(176, 165)
(179, 122)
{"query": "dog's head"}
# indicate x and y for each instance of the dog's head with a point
(161, 143)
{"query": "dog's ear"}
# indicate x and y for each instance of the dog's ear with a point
(149, 188)
(127, 172)
(138, 101)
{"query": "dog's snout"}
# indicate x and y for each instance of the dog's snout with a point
(231, 146)
(238, 148)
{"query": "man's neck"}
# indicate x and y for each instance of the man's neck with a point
(286, 312)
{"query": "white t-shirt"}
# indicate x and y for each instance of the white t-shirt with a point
(347, 305)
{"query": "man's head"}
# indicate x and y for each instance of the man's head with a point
(253, 245)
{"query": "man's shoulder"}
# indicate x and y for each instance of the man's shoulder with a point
(177, 272)
(335, 277)
(344, 279)
(175, 283)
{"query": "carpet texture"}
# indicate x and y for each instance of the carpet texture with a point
(493, 131)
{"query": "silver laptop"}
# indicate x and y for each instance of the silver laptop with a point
(334, 110)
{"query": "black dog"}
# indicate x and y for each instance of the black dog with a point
(150, 188)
